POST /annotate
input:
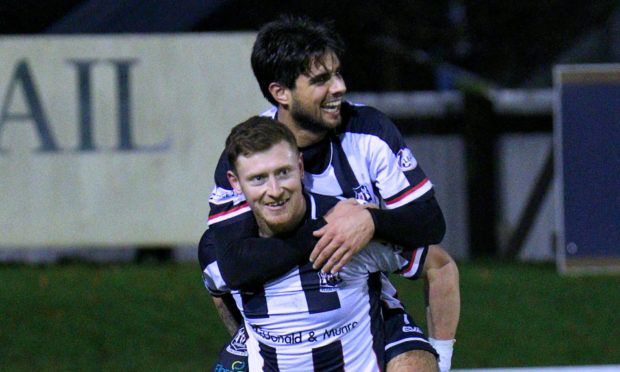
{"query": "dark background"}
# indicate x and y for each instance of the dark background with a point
(392, 45)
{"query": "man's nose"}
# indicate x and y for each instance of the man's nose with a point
(337, 86)
(273, 187)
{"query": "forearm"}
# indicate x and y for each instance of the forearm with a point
(263, 259)
(444, 303)
(228, 313)
(412, 225)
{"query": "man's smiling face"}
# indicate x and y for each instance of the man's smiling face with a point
(317, 96)
(272, 183)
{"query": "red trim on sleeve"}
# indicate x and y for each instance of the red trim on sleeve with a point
(412, 262)
(408, 192)
(228, 211)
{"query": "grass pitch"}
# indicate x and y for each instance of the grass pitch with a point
(160, 317)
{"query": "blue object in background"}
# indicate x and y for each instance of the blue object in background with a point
(589, 130)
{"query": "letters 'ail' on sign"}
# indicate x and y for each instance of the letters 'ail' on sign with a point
(112, 140)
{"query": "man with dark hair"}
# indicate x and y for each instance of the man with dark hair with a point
(304, 320)
(349, 151)
(278, 54)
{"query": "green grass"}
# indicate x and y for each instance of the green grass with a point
(160, 317)
(528, 315)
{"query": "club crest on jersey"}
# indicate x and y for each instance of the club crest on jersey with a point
(406, 161)
(237, 345)
(362, 193)
(328, 282)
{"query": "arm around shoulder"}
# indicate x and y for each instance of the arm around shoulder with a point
(249, 262)
(414, 224)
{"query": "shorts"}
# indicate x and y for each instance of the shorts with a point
(402, 334)
(234, 356)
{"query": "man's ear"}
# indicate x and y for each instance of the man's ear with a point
(301, 165)
(234, 182)
(280, 93)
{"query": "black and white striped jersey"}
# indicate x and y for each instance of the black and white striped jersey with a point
(307, 320)
(366, 159)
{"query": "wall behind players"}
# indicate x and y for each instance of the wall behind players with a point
(111, 140)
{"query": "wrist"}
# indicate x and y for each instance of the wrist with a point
(444, 348)
(375, 220)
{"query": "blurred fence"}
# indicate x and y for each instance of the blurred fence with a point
(491, 176)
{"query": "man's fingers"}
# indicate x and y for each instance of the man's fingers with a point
(329, 264)
(320, 245)
(335, 259)
(324, 254)
(318, 233)
(343, 261)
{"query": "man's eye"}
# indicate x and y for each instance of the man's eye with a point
(322, 79)
(257, 178)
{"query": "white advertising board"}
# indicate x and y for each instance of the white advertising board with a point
(113, 140)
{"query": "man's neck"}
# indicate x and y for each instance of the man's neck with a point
(303, 136)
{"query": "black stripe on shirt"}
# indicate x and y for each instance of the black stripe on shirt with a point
(270, 358)
(320, 297)
(255, 304)
(376, 321)
(328, 358)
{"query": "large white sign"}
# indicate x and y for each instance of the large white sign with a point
(112, 140)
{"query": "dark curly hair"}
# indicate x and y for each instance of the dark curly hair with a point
(284, 49)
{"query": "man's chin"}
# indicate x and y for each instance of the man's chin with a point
(317, 126)
(281, 228)
(331, 121)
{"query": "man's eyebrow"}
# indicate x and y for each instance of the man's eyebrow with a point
(251, 175)
(321, 76)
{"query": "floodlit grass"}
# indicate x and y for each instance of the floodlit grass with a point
(82, 317)
(520, 315)
(160, 317)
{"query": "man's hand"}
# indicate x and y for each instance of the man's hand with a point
(349, 228)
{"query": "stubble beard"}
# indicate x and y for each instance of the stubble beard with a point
(308, 122)
(269, 228)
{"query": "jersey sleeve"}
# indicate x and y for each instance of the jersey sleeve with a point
(415, 259)
(227, 210)
(226, 206)
(418, 223)
(407, 194)
(396, 173)
(387, 257)
(211, 276)
(251, 262)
